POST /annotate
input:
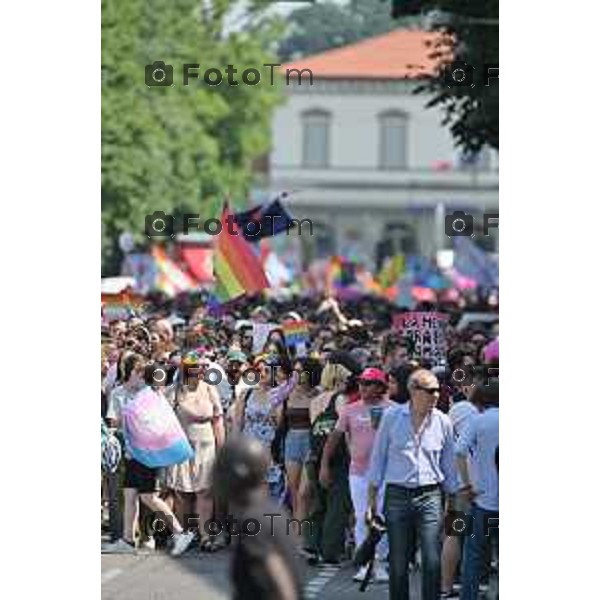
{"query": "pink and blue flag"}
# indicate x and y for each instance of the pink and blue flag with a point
(153, 434)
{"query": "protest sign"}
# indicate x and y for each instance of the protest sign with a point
(424, 335)
(260, 335)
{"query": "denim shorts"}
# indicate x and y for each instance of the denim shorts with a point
(297, 445)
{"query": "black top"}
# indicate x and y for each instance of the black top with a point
(321, 429)
(249, 574)
(298, 418)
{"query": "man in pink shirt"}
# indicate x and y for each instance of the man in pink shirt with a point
(358, 422)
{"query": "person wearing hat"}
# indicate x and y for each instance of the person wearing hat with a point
(358, 423)
(265, 565)
(233, 385)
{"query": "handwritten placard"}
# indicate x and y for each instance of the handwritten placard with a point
(260, 334)
(424, 335)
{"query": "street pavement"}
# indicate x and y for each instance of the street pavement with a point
(196, 576)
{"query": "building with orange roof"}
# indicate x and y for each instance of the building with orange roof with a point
(370, 165)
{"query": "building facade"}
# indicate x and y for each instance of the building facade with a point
(372, 168)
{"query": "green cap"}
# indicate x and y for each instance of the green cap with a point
(236, 355)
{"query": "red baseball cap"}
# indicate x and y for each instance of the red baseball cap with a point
(373, 374)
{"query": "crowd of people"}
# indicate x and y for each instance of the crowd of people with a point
(354, 426)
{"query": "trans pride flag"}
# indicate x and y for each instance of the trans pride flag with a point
(153, 435)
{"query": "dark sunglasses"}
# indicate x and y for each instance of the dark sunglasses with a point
(432, 390)
(369, 382)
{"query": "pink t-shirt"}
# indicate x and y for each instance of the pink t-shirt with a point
(356, 421)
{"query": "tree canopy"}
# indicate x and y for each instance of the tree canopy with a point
(471, 26)
(318, 27)
(179, 149)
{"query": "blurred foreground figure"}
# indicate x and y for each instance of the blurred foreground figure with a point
(265, 564)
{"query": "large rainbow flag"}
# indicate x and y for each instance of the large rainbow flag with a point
(237, 269)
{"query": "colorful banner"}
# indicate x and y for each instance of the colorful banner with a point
(199, 261)
(153, 435)
(172, 279)
(425, 336)
(120, 307)
(116, 312)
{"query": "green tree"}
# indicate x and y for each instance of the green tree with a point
(318, 27)
(469, 31)
(179, 149)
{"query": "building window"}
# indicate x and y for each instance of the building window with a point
(315, 143)
(393, 136)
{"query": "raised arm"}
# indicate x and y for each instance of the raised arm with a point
(281, 392)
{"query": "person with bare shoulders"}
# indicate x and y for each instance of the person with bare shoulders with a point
(198, 408)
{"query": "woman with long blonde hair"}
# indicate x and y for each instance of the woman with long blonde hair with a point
(329, 508)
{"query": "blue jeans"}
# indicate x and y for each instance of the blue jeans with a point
(485, 530)
(408, 512)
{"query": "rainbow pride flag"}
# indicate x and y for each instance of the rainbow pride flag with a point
(371, 286)
(171, 278)
(153, 435)
(340, 273)
(295, 332)
(121, 306)
(237, 269)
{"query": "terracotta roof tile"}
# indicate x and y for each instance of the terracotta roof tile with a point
(399, 54)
